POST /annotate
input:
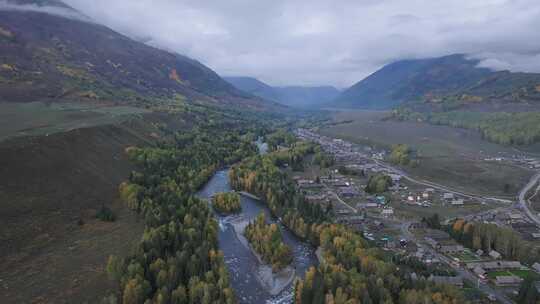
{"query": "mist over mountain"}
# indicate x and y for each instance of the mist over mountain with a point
(436, 80)
(47, 55)
(295, 96)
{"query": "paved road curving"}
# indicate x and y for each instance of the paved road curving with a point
(524, 203)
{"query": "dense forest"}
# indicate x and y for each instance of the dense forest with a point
(351, 271)
(177, 259)
(279, 138)
(520, 128)
(261, 175)
(267, 241)
(489, 237)
(226, 202)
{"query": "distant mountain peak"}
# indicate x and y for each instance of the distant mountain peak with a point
(432, 79)
(40, 3)
(295, 96)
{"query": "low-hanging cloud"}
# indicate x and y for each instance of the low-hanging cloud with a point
(314, 42)
(65, 12)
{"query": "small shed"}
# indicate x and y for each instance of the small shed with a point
(536, 267)
(494, 254)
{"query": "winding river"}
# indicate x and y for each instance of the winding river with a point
(240, 260)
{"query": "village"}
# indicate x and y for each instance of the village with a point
(395, 220)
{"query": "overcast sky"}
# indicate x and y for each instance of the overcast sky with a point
(315, 42)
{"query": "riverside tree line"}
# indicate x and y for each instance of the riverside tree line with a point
(351, 272)
(178, 259)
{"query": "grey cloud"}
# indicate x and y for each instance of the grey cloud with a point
(318, 42)
(53, 10)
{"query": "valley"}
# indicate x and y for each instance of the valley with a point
(447, 155)
(138, 167)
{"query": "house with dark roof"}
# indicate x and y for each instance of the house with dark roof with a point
(510, 280)
(456, 281)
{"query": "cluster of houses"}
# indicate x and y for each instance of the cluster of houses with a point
(345, 152)
(377, 202)
(514, 219)
(425, 198)
(442, 242)
(481, 269)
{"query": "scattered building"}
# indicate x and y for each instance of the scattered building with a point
(395, 178)
(448, 196)
(494, 254)
(510, 280)
(458, 202)
(515, 217)
(536, 267)
(360, 206)
(479, 271)
(348, 191)
(387, 212)
(451, 248)
(495, 265)
(381, 200)
(456, 281)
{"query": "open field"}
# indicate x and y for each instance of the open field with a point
(466, 257)
(520, 273)
(445, 212)
(38, 118)
(448, 156)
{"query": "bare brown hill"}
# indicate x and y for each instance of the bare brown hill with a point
(53, 247)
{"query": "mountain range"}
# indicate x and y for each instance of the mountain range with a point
(49, 56)
(453, 78)
(294, 96)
